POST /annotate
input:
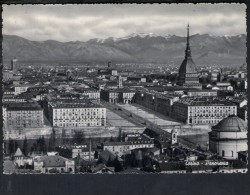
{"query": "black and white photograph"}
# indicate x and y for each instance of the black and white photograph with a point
(124, 89)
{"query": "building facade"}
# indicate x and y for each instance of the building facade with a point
(110, 95)
(90, 94)
(54, 164)
(201, 93)
(80, 113)
(22, 115)
(121, 148)
(202, 110)
(159, 102)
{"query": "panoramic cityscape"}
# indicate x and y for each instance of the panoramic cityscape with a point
(141, 102)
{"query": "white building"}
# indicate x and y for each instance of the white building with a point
(54, 164)
(121, 148)
(229, 137)
(76, 113)
(203, 110)
(21, 89)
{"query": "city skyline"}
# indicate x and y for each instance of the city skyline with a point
(41, 22)
(134, 105)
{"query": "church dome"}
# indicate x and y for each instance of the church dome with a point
(231, 124)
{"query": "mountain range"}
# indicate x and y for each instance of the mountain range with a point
(139, 48)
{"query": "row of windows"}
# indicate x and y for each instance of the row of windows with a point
(78, 117)
(128, 147)
(209, 121)
(75, 113)
(77, 120)
(210, 114)
(77, 124)
(79, 109)
(211, 111)
(211, 107)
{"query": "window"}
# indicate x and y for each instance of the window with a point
(232, 153)
(223, 153)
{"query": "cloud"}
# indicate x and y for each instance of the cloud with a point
(83, 22)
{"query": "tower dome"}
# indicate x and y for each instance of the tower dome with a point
(187, 66)
(231, 124)
(188, 75)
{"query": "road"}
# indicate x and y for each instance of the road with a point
(122, 113)
(113, 119)
(150, 115)
(132, 116)
(139, 119)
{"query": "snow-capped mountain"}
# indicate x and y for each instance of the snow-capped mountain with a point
(141, 47)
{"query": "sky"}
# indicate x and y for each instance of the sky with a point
(83, 22)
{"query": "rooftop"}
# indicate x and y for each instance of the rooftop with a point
(78, 103)
(53, 161)
(22, 106)
(206, 101)
(231, 124)
(18, 152)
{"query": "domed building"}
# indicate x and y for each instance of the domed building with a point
(228, 137)
(188, 76)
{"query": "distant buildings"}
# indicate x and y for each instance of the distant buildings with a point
(229, 137)
(223, 86)
(209, 110)
(54, 164)
(89, 93)
(201, 93)
(12, 73)
(84, 151)
(21, 88)
(14, 65)
(157, 101)
(132, 142)
(7, 75)
(123, 95)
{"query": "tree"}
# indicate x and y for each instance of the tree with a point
(117, 165)
(78, 137)
(25, 147)
(34, 147)
(112, 139)
(63, 136)
(52, 141)
(15, 146)
(120, 134)
(110, 163)
(11, 147)
(40, 145)
(43, 147)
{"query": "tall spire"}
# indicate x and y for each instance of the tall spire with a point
(188, 50)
